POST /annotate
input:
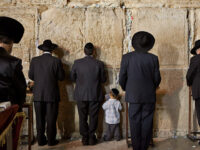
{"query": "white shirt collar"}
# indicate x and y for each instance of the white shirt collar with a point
(112, 99)
(89, 56)
(47, 53)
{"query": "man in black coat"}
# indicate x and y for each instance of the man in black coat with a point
(12, 81)
(139, 77)
(89, 74)
(193, 77)
(46, 70)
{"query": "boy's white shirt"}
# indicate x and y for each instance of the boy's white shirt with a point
(111, 108)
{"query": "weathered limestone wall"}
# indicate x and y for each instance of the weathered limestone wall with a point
(110, 24)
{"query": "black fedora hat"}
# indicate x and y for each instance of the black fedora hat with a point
(143, 41)
(11, 28)
(196, 46)
(47, 46)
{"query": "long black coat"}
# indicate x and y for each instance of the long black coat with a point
(88, 73)
(193, 76)
(139, 77)
(46, 70)
(12, 81)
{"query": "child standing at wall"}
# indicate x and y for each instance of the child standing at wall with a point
(112, 116)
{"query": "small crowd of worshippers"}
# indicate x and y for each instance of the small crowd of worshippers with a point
(139, 77)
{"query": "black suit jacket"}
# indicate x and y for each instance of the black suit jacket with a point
(12, 81)
(193, 76)
(46, 70)
(88, 73)
(139, 77)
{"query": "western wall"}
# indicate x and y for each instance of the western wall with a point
(109, 25)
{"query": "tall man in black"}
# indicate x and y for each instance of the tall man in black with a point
(139, 77)
(193, 77)
(89, 74)
(46, 70)
(12, 81)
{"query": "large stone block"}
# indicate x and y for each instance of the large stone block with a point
(41, 2)
(62, 2)
(161, 3)
(170, 29)
(26, 47)
(171, 116)
(85, 1)
(104, 28)
(166, 1)
(89, 2)
(66, 28)
(170, 1)
(26, 2)
(5, 2)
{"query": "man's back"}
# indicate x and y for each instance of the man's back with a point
(45, 71)
(140, 76)
(88, 73)
(193, 76)
(12, 81)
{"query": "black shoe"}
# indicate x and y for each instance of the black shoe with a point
(42, 143)
(53, 143)
(199, 142)
(93, 141)
(85, 141)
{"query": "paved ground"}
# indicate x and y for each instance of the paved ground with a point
(160, 144)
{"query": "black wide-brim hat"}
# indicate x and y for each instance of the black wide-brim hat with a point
(143, 41)
(11, 28)
(47, 46)
(196, 46)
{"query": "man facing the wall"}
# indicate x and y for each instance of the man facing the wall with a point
(88, 74)
(12, 80)
(193, 77)
(139, 77)
(46, 70)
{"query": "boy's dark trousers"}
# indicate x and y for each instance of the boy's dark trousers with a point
(113, 130)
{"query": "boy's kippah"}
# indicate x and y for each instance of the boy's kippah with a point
(115, 92)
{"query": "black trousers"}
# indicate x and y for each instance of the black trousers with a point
(197, 107)
(46, 113)
(141, 124)
(85, 109)
(112, 130)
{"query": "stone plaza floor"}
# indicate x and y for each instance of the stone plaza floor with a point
(180, 143)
